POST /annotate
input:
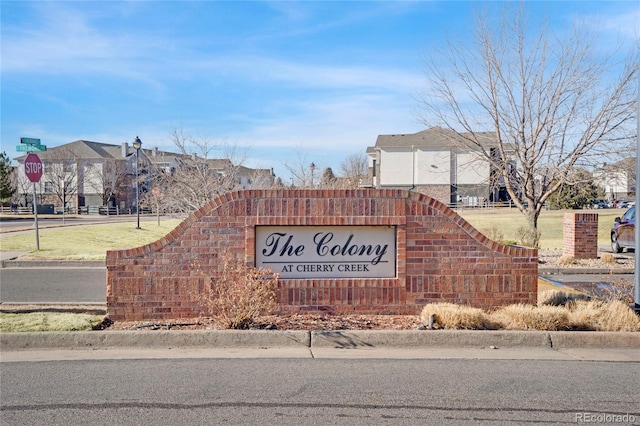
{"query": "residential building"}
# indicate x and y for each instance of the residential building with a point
(90, 174)
(438, 163)
(617, 180)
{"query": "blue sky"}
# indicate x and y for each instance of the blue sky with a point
(283, 82)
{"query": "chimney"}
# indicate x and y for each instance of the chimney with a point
(125, 149)
(155, 151)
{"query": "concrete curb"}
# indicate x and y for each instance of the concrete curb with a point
(53, 264)
(594, 339)
(342, 339)
(154, 339)
(586, 271)
(424, 338)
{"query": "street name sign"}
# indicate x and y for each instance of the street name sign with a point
(30, 141)
(30, 145)
(31, 148)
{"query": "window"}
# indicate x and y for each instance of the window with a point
(48, 187)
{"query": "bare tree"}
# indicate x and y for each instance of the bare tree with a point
(304, 173)
(23, 194)
(353, 169)
(195, 177)
(548, 103)
(61, 174)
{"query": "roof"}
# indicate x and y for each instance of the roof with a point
(89, 150)
(77, 149)
(435, 137)
(248, 172)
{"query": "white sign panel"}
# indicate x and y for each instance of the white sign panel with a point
(327, 251)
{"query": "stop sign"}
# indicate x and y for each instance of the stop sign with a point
(33, 167)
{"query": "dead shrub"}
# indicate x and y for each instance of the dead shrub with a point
(450, 315)
(528, 237)
(239, 293)
(529, 317)
(600, 315)
(618, 289)
(608, 258)
(494, 233)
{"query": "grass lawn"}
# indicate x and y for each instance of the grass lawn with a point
(549, 223)
(46, 321)
(88, 242)
(91, 242)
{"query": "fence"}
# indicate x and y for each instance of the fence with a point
(102, 210)
(114, 211)
(482, 205)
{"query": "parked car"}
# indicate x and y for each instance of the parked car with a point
(600, 204)
(623, 231)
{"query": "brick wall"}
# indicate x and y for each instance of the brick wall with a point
(580, 235)
(441, 193)
(440, 257)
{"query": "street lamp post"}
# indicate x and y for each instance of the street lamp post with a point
(137, 144)
(312, 167)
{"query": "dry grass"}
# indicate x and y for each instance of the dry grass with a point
(567, 260)
(529, 317)
(608, 258)
(556, 311)
(450, 315)
(46, 321)
(601, 315)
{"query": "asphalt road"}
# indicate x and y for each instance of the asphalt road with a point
(53, 285)
(88, 285)
(315, 391)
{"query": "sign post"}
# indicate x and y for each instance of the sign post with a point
(33, 169)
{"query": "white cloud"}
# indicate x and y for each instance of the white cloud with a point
(620, 24)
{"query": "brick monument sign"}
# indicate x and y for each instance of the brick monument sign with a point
(339, 251)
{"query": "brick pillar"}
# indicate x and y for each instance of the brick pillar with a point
(580, 235)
